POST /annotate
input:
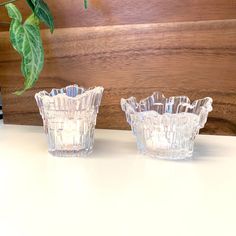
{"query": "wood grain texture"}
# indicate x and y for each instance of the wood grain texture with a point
(70, 13)
(221, 120)
(197, 59)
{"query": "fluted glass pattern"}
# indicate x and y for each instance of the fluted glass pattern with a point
(69, 117)
(166, 127)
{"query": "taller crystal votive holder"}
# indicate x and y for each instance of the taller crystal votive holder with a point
(69, 117)
(166, 127)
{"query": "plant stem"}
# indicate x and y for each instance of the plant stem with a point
(5, 3)
(85, 4)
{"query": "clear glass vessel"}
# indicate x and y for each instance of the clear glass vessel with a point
(166, 127)
(69, 116)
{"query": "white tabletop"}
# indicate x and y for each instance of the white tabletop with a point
(115, 191)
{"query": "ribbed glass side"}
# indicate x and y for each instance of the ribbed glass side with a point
(69, 117)
(166, 127)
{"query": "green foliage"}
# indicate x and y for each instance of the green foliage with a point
(26, 40)
(41, 10)
(85, 4)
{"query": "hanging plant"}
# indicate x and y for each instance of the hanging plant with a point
(26, 39)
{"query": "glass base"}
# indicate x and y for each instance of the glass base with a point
(75, 142)
(169, 154)
(71, 153)
(166, 145)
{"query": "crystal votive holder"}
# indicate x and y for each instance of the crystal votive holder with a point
(166, 127)
(69, 118)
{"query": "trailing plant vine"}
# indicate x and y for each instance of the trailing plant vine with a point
(26, 39)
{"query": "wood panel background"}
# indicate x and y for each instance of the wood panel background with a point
(181, 47)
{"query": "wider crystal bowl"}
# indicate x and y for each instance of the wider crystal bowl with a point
(166, 127)
(69, 117)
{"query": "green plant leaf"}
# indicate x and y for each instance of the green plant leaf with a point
(26, 40)
(85, 4)
(42, 11)
(13, 12)
(31, 5)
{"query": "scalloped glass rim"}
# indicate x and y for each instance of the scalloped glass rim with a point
(166, 127)
(69, 117)
(136, 107)
(62, 92)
